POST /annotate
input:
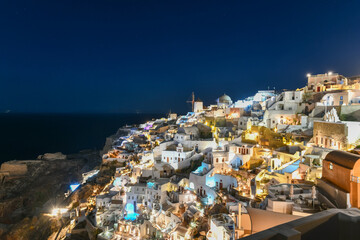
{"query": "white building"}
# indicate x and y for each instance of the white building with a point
(222, 227)
(240, 154)
(198, 106)
(292, 199)
(347, 97)
(179, 158)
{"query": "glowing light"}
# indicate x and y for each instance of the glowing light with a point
(210, 200)
(58, 211)
(199, 170)
(330, 73)
(252, 136)
(73, 187)
(150, 185)
(308, 75)
(130, 213)
(117, 182)
(259, 191)
(210, 182)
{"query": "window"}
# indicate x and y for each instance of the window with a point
(341, 102)
(217, 159)
(341, 97)
(331, 166)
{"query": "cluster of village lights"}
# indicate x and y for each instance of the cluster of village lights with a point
(309, 74)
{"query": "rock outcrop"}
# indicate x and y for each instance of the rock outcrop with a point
(52, 156)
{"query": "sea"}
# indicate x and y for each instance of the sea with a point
(25, 136)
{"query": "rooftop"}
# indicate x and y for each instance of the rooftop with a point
(342, 158)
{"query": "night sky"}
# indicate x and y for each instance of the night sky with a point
(148, 56)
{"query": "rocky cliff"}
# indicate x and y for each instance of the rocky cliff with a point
(24, 193)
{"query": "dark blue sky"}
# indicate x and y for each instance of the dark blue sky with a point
(148, 56)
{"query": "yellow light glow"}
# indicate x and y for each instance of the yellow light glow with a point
(58, 211)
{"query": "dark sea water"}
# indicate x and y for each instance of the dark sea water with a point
(25, 136)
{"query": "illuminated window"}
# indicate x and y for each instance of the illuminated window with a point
(331, 166)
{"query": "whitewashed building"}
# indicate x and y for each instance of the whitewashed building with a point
(178, 158)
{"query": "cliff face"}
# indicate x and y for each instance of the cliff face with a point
(32, 228)
(23, 195)
(108, 144)
(111, 139)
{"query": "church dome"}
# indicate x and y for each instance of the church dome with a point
(224, 99)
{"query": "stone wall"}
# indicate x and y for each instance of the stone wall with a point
(337, 196)
(52, 156)
(337, 132)
(350, 109)
(14, 168)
